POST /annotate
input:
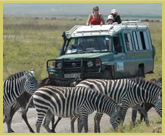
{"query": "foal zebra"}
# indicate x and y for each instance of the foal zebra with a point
(130, 92)
(72, 101)
(14, 88)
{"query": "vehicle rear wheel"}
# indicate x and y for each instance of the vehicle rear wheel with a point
(106, 75)
(140, 72)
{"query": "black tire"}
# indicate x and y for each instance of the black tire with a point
(106, 75)
(140, 72)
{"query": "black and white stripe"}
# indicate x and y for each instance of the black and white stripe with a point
(129, 92)
(147, 106)
(16, 84)
(72, 101)
(9, 112)
(15, 95)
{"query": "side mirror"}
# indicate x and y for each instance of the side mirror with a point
(64, 35)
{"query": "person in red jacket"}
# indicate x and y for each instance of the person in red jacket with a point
(95, 18)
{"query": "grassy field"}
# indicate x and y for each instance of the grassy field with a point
(28, 43)
(155, 127)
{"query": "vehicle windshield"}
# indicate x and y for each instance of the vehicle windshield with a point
(91, 44)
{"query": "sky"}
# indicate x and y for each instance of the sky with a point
(76, 9)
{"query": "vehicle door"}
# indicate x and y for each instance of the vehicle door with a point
(119, 57)
(129, 53)
(143, 50)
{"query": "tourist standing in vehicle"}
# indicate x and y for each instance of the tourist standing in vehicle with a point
(116, 16)
(110, 20)
(95, 18)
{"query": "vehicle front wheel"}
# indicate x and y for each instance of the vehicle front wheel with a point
(106, 75)
(140, 72)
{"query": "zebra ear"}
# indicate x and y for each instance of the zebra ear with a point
(32, 72)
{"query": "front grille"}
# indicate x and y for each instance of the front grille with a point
(75, 64)
(78, 66)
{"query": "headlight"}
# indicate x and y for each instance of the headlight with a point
(59, 65)
(89, 63)
(51, 64)
(98, 62)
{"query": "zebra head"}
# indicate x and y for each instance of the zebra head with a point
(116, 117)
(31, 84)
(158, 104)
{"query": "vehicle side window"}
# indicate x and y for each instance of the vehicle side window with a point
(146, 40)
(135, 41)
(141, 40)
(128, 41)
(117, 45)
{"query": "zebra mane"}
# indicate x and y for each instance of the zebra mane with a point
(142, 80)
(16, 75)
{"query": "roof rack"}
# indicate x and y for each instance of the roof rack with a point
(131, 22)
(134, 23)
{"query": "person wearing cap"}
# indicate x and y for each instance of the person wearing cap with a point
(110, 20)
(116, 16)
(95, 18)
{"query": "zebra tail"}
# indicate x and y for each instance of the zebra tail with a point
(4, 119)
(27, 106)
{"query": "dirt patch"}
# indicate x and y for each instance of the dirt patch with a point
(19, 125)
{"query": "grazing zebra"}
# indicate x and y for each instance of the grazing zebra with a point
(72, 101)
(16, 90)
(130, 92)
(146, 106)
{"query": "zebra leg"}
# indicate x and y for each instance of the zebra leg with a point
(24, 116)
(53, 120)
(84, 119)
(141, 115)
(47, 120)
(134, 115)
(79, 124)
(8, 120)
(73, 118)
(39, 121)
(54, 126)
(123, 113)
(97, 120)
(147, 107)
(144, 112)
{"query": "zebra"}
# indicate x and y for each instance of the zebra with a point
(16, 91)
(64, 83)
(23, 99)
(131, 92)
(70, 102)
(146, 106)
(21, 102)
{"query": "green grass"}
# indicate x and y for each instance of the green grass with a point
(140, 127)
(28, 43)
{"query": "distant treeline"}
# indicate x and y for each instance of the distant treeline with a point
(82, 18)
